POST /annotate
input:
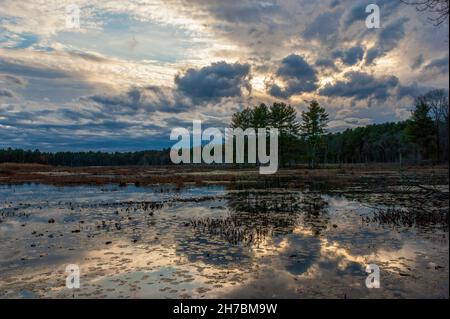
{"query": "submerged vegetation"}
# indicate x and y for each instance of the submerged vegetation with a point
(253, 237)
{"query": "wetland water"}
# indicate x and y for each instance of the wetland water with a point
(214, 241)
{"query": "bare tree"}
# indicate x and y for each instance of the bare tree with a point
(439, 9)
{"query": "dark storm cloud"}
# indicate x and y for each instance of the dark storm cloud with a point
(387, 40)
(211, 83)
(298, 76)
(350, 56)
(360, 86)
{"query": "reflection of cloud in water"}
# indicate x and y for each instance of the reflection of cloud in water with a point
(271, 244)
(143, 272)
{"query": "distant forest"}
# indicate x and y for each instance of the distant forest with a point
(85, 158)
(373, 143)
(422, 138)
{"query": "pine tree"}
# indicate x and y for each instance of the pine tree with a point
(420, 130)
(315, 120)
(278, 115)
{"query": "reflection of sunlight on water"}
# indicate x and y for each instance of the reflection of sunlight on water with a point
(302, 230)
(332, 251)
(151, 272)
(268, 247)
(318, 248)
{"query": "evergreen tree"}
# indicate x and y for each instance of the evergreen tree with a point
(280, 116)
(315, 120)
(420, 130)
(284, 118)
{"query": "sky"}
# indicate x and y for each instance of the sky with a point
(134, 70)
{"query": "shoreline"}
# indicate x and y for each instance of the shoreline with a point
(336, 175)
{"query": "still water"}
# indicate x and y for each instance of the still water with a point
(212, 242)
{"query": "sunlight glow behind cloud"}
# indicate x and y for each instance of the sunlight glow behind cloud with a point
(115, 77)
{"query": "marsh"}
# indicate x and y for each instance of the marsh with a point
(241, 240)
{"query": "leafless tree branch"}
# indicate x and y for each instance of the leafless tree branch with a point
(439, 9)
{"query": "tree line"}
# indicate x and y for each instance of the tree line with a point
(154, 157)
(423, 137)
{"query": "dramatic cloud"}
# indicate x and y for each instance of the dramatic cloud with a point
(326, 63)
(37, 82)
(324, 26)
(248, 12)
(411, 91)
(439, 65)
(17, 69)
(78, 128)
(350, 56)
(388, 39)
(359, 85)
(211, 83)
(297, 75)
(148, 99)
(193, 88)
(357, 13)
(418, 62)
(135, 69)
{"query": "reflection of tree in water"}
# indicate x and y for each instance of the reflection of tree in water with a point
(254, 216)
